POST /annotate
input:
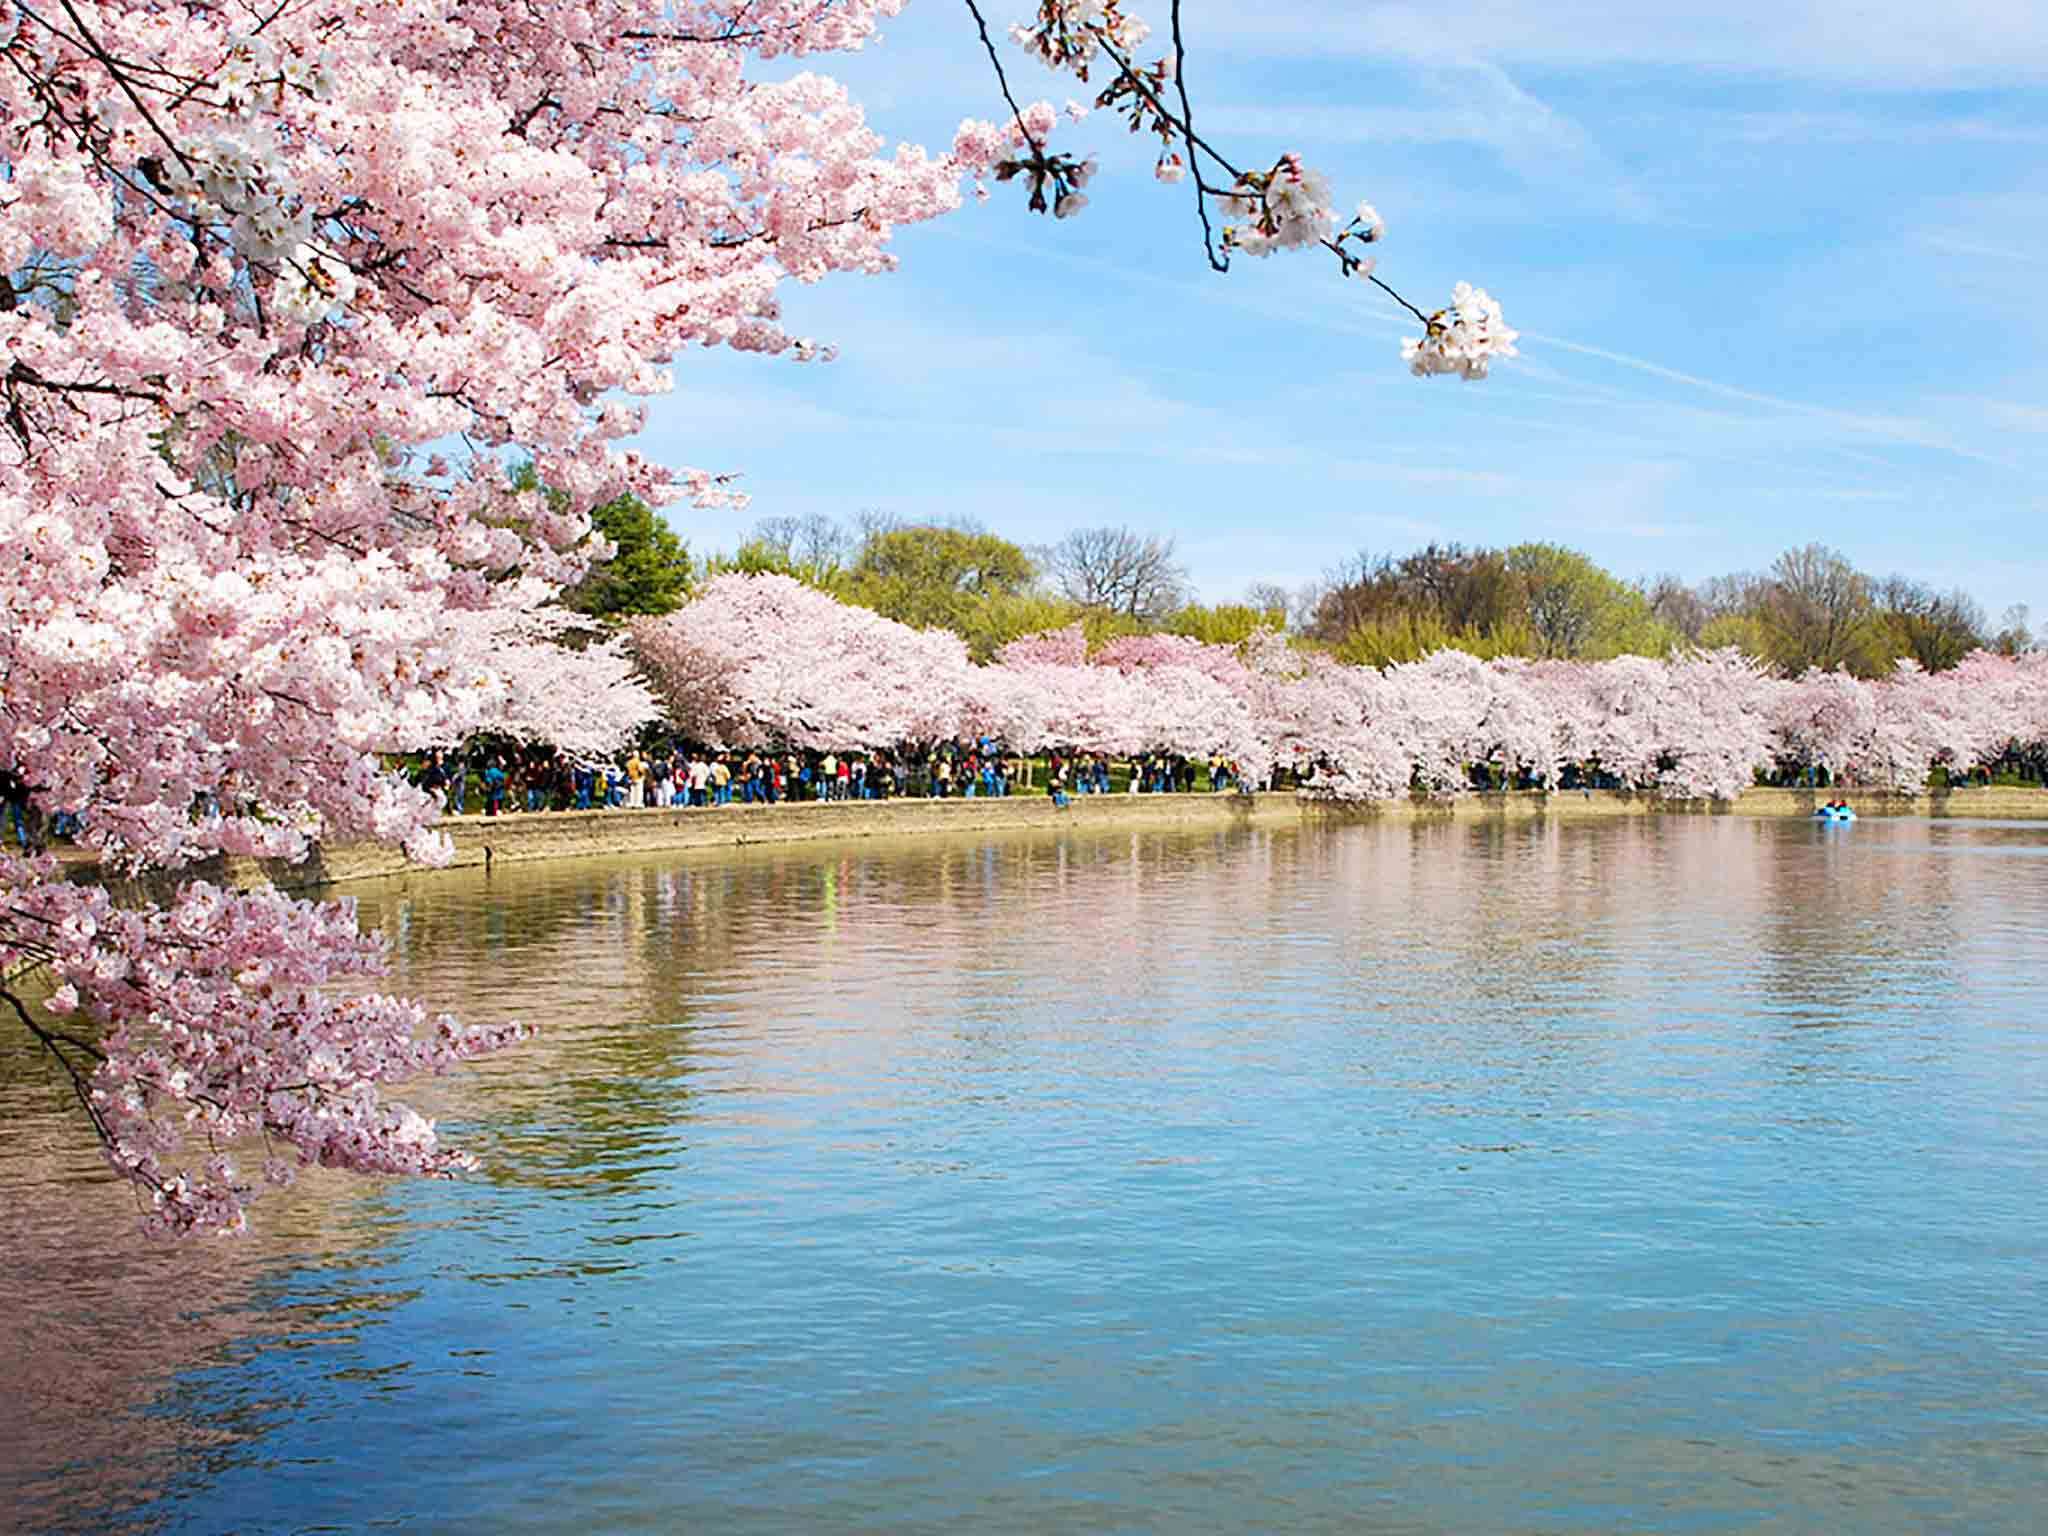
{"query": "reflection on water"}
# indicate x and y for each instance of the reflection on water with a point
(1675, 1174)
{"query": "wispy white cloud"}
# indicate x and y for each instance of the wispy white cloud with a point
(2016, 418)
(1891, 43)
(1625, 501)
(1391, 471)
(1837, 493)
(1382, 526)
(1901, 430)
(1983, 250)
(1356, 308)
(1811, 130)
(1468, 100)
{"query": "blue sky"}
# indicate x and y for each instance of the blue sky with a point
(1775, 265)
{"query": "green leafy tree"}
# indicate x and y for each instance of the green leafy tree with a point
(1403, 637)
(1817, 610)
(1224, 623)
(1744, 631)
(650, 570)
(996, 620)
(1936, 629)
(762, 557)
(1581, 612)
(650, 573)
(936, 576)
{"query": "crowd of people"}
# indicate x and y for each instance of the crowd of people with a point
(495, 779)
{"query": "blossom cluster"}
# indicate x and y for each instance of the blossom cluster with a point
(538, 679)
(215, 1024)
(1053, 181)
(1289, 206)
(1283, 209)
(238, 177)
(1069, 34)
(1463, 339)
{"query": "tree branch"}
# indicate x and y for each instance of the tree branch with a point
(1002, 80)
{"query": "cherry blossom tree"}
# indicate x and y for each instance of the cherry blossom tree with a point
(1624, 724)
(1151, 692)
(1566, 689)
(1066, 647)
(284, 292)
(1714, 720)
(556, 683)
(1825, 720)
(1329, 728)
(1893, 731)
(1053, 706)
(1989, 703)
(1451, 711)
(765, 660)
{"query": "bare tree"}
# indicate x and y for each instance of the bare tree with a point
(1678, 605)
(1119, 570)
(1725, 596)
(870, 523)
(1303, 604)
(776, 533)
(1816, 610)
(2014, 633)
(1353, 592)
(1270, 597)
(813, 542)
(1936, 629)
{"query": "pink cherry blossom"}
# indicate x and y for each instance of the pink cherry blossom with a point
(1054, 647)
(754, 660)
(267, 271)
(1463, 339)
(762, 659)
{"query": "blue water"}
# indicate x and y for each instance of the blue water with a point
(1657, 1175)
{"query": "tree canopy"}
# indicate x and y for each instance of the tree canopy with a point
(1119, 571)
(935, 575)
(1536, 599)
(650, 572)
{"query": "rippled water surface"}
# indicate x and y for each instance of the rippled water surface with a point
(1674, 1175)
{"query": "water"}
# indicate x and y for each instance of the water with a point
(1671, 1175)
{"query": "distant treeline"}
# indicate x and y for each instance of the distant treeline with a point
(1812, 608)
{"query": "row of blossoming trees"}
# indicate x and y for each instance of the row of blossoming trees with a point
(764, 660)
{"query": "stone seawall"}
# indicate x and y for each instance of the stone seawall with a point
(1994, 803)
(481, 840)
(1987, 804)
(484, 840)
